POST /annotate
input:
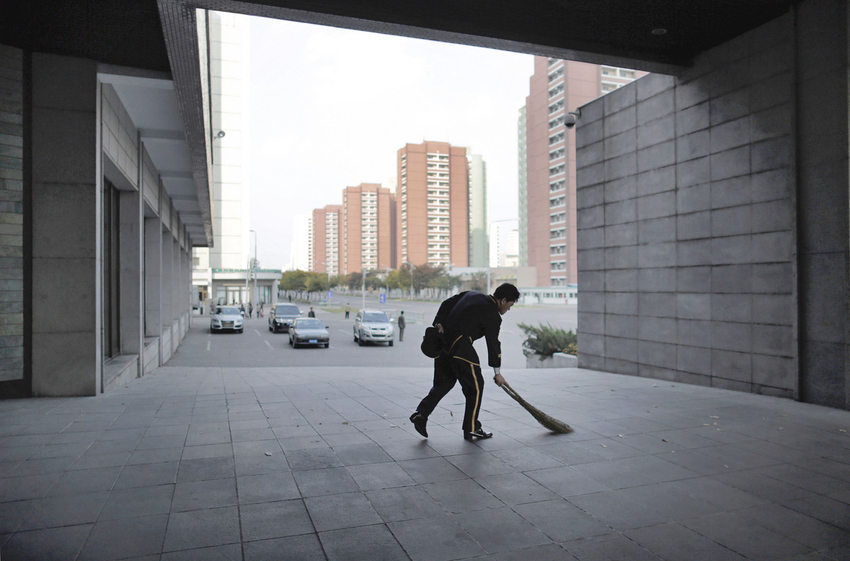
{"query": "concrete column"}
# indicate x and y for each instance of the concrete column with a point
(66, 226)
(166, 306)
(153, 277)
(176, 304)
(823, 243)
(131, 225)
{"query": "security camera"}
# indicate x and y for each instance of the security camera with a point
(570, 119)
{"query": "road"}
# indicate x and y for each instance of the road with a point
(258, 347)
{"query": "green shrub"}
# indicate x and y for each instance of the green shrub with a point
(546, 340)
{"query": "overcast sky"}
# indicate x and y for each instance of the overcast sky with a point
(329, 108)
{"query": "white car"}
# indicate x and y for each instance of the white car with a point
(373, 326)
(226, 318)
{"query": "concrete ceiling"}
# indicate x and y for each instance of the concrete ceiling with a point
(162, 36)
(131, 33)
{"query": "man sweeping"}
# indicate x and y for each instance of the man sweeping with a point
(462, 319)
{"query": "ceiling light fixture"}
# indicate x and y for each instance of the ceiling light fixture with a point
(659, 31)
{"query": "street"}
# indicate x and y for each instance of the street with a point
(259, 347)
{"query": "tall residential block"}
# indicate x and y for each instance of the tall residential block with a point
(522, 181)
(368, 228)
(548, 163)
(325, 238)
(433, 187)
(477, 210)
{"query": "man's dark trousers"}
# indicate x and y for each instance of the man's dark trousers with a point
(447, 371)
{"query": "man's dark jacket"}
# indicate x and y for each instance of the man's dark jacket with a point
(466, 317)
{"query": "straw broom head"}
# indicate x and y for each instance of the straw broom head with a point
(547, 421)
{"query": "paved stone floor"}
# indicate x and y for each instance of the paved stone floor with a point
(321, 463)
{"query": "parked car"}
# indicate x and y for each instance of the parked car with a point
(281, 315)
(226, 318)
(308, 331)
(372, 326)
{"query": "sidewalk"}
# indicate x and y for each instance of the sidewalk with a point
(322, 463)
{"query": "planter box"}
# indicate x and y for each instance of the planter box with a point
(558, 360)
(563, 360)
(534, 361)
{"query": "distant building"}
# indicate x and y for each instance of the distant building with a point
(325, 238)
(477, 210)
(433, 221)
(522, 182)
(547, 194)
(368, 228)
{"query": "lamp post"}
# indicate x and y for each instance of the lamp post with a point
(254, 269)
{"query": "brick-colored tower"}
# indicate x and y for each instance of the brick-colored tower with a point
(433, 198)
(556, 88)
(327, 252)
(368, 228)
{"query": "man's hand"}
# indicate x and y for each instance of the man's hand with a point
(499, 379)
(439, 327)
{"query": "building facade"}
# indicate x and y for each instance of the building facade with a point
(326, 236)
(433, 221)
(547, 161)
(368, 228)
(229, 272)
(477, 210)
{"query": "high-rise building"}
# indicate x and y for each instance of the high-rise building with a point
(368, 228)
(547, 161)
(477, 210)
(433, 221)
(226, 272)
(325, 238)
(523, 190)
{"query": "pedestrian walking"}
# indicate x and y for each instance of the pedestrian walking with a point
(347, 310)
(401, 325)
(462, 319)
(250, 309)
(311, 313)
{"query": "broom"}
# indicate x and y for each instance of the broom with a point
(547, 421)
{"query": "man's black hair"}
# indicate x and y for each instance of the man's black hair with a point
(507, 291)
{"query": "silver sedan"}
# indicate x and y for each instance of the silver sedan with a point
(226, 318)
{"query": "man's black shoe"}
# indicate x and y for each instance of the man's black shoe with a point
(419, 423)
(477, 434)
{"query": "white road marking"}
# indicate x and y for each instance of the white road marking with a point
(208, 344)
(257, 332)
(344, 331)
(269, 344)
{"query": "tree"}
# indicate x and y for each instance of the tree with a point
(293, 280)
(392, 280)
(355, 281)
(317, 282)
(424, 275)
(478, 282)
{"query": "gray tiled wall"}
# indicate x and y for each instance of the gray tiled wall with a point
(11, 215)
(687, 239)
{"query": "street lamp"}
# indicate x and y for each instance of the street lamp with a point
(254, 268)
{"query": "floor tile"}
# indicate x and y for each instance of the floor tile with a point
(266, 488)
(336, 512)
(129, 537)
(370, 542)
(138, 501)
(294, 548)
(275, 520)
(514, 532)
(53, 543)
(202, 528)
(437, 537)
(52, 512)
(560, 520)
(213, 493)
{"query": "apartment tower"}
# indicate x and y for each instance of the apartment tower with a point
(433, 222)
(477, 210)
(325, 238)
(368, 228)
(547, 161)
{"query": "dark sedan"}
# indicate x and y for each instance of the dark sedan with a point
(308, 331)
